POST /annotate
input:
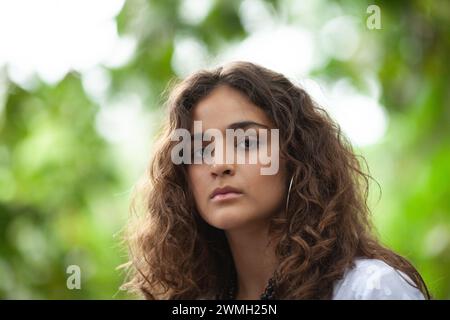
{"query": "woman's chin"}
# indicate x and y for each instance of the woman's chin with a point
(229, 220)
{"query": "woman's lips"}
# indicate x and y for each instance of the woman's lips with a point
(226, 196)
(224, 190)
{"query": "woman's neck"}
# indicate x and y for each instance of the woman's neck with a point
(254, 259)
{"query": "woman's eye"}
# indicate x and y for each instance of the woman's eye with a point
(198, 153)
(248, 144)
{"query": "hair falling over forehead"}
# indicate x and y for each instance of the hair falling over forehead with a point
(174, 254)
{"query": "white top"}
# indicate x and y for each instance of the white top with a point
(373, 279)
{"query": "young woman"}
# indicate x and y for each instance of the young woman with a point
(224, 230)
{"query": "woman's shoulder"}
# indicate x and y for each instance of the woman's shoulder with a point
(374, 279)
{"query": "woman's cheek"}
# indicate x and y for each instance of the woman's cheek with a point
(194, 182)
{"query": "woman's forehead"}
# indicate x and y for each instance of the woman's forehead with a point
(224, 107)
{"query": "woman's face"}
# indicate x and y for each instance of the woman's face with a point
(260, 196)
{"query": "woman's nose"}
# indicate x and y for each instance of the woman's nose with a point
(222, 166)
(222, 169)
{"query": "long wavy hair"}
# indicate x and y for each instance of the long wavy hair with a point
(175, 254)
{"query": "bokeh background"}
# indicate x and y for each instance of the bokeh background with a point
(81, 85)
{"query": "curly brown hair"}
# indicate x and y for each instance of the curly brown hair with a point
(174, 254)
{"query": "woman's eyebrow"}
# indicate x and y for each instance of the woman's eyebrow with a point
(234, 126)
(245, 124)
